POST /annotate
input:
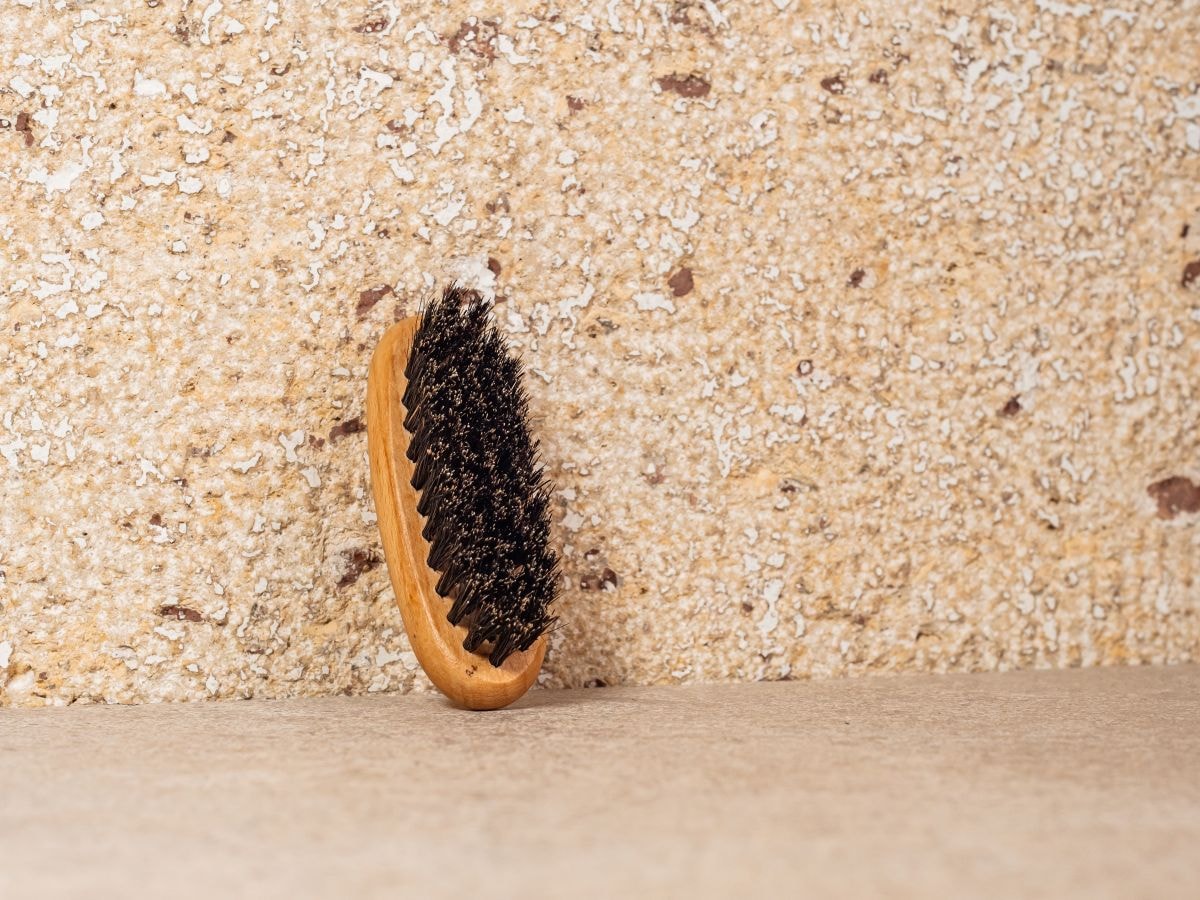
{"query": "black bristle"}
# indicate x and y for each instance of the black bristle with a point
(481, 484)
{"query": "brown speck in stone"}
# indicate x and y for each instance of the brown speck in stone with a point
(493, 265)
(395, 126)
(279, 71)
(595, 683)
(356, 562)
(747, 607)
(879, 76)
(690, 85)
(575, 104)
(22, 125)
(689, 14)
(181, 613)
(834, 116)
(597, 582)
(368, 298)
(681, 283)
(856, 277)
(834, 84)
(804, 368)
(1191, 273)
(1012, 407)
(156, 519)
(371, 26)
(795, 485)
(228, 137)
(593, 553)
(477, 36)
(1183, 232)
(345, 427)
(499, 205)
(1175, 495)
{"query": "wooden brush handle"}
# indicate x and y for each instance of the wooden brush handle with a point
(468, 679)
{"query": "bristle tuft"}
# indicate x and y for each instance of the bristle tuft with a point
(480, 480)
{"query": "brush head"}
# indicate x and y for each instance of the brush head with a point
(481, 485)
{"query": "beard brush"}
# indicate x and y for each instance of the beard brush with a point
(462, 500)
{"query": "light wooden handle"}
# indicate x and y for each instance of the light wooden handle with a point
(468, 679)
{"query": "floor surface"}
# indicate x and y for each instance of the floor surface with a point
(1023, 784)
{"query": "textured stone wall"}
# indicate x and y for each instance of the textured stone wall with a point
(862, 338)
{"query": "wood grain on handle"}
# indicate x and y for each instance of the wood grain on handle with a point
(468, 679)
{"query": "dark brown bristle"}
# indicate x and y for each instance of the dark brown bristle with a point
(481, 484)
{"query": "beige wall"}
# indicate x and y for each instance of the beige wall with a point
(860, 335)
